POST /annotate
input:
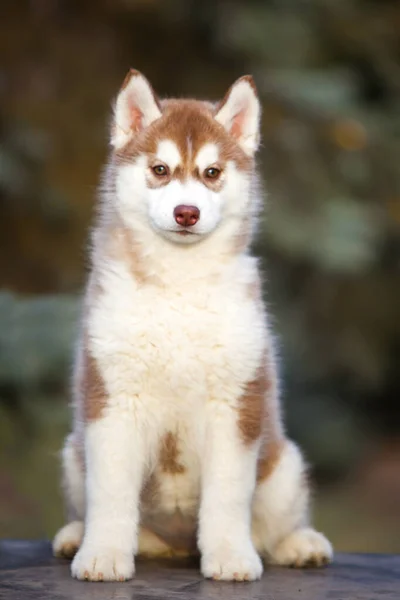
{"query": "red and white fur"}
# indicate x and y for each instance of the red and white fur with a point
(177, 445)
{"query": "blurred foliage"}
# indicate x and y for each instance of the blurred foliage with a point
(328, 73)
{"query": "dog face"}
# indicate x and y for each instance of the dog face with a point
(184, 166)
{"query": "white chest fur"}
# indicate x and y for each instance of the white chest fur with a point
(176, 345)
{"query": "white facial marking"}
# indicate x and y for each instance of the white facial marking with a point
(189, 147)
(207, 156)
(164, 200)
(140, 204)
(168, 153)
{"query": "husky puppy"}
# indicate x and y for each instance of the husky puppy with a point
(177, 445)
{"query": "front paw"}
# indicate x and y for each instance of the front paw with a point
(242, 564)
(102, 564)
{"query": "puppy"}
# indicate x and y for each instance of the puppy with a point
(177, 445)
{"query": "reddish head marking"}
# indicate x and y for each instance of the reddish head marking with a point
(190, 124)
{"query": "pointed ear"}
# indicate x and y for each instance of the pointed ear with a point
(239, 112)
(136, 107)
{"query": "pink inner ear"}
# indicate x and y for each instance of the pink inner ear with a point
(136, 117)
(237, 124)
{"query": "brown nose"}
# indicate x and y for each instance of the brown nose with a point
(186, 215)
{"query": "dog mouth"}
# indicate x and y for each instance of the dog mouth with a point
(183, 232)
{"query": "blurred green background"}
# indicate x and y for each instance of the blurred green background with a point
(328, 73)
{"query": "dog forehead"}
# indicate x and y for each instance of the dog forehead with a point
(202, 157)
(189, 126)
(187, 136)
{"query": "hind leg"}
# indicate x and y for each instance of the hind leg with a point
(68, 539)
(280, 524)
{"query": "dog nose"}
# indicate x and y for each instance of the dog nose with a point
(186, 215)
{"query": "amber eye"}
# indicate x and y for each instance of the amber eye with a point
(212, 173)
(160, 170)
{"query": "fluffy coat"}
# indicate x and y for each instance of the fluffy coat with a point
(177, 445)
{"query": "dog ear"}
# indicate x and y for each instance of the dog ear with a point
(239, 112)
(136, 107)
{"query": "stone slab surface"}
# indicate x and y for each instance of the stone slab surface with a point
(29, 572)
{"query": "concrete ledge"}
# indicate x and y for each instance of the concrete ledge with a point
(29, 572)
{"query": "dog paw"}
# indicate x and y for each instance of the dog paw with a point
(229, 565)
(303, 548)
(67, 541)
(102, 564)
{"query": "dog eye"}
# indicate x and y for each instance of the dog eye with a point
(160, 170)
(212, 173)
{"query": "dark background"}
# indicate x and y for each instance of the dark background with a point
(328, 73)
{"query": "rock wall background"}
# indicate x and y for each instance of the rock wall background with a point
(328, 73)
